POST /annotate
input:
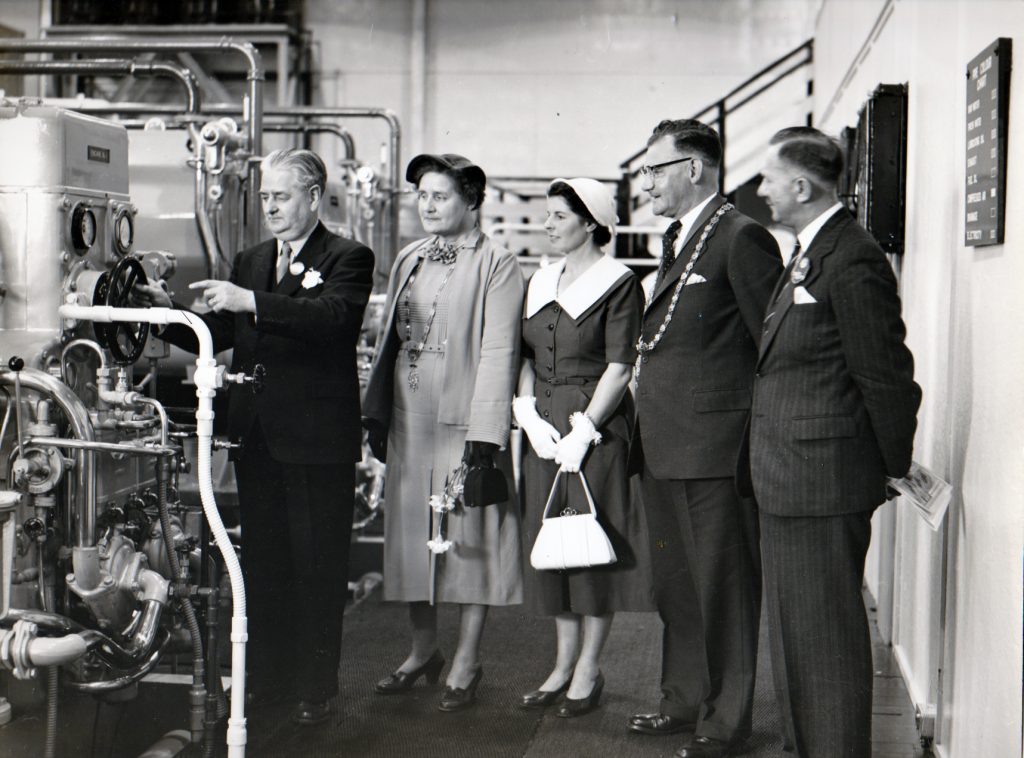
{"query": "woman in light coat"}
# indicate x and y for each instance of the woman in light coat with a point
(439, 394)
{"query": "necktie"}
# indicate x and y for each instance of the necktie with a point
(785, 284)
(668, 245)
(283, 261)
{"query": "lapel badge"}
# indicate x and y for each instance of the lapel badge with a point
(803, 267)
(312, 279)
(295, 268)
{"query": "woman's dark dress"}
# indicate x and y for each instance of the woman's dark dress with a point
(569, 356)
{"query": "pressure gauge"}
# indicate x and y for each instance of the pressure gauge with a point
(124, 231)
(83, 228)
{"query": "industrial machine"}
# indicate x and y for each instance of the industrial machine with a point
(102, 569)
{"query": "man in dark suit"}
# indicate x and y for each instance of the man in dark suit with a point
(697, 354)
(293, 304)
(834, 414)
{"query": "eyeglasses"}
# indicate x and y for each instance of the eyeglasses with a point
(657, 169)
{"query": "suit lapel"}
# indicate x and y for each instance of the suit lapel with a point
(671, 277)
(310, 256)
(262, 265)
(822, 246)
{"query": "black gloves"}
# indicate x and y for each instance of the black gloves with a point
(479, 454)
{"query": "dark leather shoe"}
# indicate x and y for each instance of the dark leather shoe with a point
(542, 698)
(704, 747)
(309, 712)
(401, 681)
(659, 723)
(457, 698)
(570, 708)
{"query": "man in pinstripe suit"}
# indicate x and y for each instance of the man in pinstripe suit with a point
(834, 414)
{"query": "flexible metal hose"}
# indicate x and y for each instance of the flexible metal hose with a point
(197, 695)
(50, 751)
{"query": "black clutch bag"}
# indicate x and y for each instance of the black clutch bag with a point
(485, 484)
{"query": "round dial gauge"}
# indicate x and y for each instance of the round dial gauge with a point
(124, 231)
(83, 228)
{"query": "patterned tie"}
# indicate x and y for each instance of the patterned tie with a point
(668, 246)
(283, 261)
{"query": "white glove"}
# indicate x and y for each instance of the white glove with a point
(573, 447)
(543, 437)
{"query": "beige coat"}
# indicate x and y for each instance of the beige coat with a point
(482, 355)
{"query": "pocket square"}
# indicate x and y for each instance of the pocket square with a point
(802, 297)
(695, 279)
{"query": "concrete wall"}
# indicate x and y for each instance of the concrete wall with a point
(541, 88)
(962, 306)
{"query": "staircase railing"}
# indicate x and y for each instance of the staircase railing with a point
(631, 199)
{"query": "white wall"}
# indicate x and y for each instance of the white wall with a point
(963, 309)
(542, 88)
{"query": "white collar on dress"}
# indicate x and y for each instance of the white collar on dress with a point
(588, 288)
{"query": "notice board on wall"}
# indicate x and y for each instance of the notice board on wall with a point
(988, 100)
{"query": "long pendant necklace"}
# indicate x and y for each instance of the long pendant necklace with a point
(643, 348)
(414, 352)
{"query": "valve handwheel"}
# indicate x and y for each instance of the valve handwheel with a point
(124, 339)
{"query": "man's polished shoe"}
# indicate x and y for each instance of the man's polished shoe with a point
(400, 681)
(704, 747)
(542, 698)
(571, 708)
(659, 723)
(457, 698)
(309, 712)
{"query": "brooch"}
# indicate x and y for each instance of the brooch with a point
(295, 268)
(803, 267)
(312, 279)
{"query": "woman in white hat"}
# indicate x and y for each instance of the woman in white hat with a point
(581, 322)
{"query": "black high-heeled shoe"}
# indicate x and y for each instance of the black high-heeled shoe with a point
(402, 681)
(457, 698)
(571, 708)
(542, 698)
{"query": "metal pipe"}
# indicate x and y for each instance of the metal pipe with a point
(106, 447)
(118, 66)
(92, 344)
(164, 423)
(206, 234)
(254, 77)
(85, 465)
(111, 685)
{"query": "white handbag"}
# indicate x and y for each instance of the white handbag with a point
(575, 541)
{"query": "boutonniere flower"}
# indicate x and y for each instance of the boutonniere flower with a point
(295, 268)
(803, 267)
(312, 279)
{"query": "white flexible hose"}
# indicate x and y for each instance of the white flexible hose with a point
(206, 387)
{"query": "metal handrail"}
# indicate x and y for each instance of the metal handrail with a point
(718, 104)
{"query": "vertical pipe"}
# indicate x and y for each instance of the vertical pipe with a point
(418, 76)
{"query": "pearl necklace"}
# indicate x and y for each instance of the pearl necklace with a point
(646, 347)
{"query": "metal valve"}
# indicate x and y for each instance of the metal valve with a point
(222, 444)
(256, 380)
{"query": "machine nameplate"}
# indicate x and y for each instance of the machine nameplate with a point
(100, 154)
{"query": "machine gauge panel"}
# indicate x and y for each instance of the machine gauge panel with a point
(83, 228)
(124, 231)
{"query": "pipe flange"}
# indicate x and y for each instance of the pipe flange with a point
(20, 662)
